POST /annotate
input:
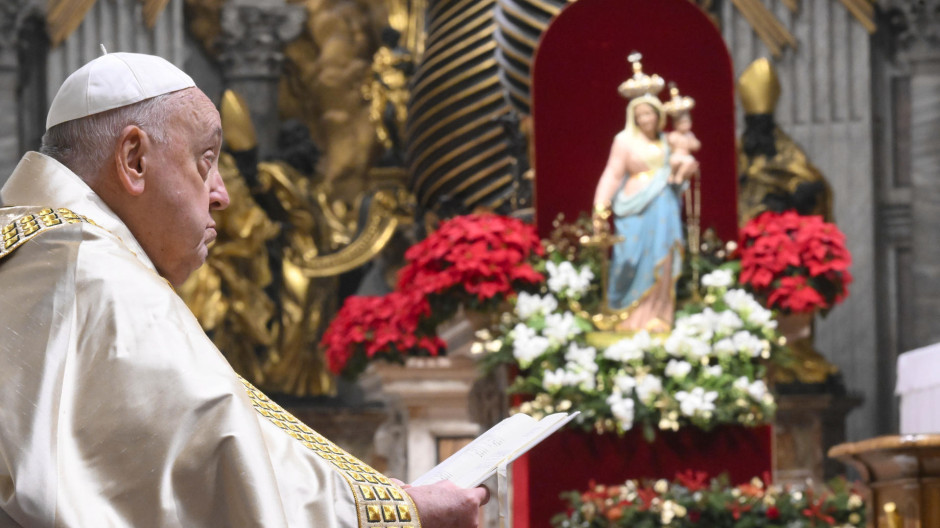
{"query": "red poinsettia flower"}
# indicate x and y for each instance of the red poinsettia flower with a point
(646, 496)
(737, 509)
(368, 327)
(693, 480)
(796, 263)
(471, 259)
(819, 510)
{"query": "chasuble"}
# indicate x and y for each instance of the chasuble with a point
(117, 410)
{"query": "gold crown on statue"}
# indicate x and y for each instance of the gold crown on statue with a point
(677, 104)
(640, 83)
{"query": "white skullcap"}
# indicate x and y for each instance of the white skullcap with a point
(114, 80)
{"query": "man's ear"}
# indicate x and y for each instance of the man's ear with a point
(131, 157)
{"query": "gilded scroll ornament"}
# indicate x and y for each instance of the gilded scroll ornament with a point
(64, 16)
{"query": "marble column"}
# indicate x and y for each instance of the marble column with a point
(253, 35)
(9, 123)
(916, 32)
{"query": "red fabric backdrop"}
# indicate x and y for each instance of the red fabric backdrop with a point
(569, 460)
(581, 59)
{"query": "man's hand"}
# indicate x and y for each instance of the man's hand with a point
(445, 505)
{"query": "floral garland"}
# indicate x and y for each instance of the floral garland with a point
(477, 261)
(708, 371)
(796, 263)
(691, 501)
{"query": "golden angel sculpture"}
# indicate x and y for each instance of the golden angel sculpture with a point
(641, 187)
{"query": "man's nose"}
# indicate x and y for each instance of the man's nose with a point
(218, 194)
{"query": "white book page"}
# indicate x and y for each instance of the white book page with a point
(507, 440)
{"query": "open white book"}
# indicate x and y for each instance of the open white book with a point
(503, 443)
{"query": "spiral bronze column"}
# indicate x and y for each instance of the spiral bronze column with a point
(458, 154)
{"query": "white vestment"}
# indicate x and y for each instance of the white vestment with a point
(117, 410)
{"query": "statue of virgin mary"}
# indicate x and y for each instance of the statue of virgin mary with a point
(635, 188)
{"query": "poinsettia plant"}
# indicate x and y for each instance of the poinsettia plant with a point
(477, 261)
(691, 501)
(389, 327)
(795, 263)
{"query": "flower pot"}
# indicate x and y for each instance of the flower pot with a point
(795, 326)
(809, 366)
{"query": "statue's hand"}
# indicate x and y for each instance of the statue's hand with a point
(687, 169)
(599, 221)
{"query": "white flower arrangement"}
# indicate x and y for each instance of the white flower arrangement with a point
(709, 370)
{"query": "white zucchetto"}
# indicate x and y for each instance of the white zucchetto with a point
(114, 80)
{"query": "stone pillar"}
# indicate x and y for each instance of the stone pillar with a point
(916, 37)
(9, 126)
(253, 35)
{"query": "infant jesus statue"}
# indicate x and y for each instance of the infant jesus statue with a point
(682, 142)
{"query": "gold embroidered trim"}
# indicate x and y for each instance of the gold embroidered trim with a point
(379, 503)
(21, 230)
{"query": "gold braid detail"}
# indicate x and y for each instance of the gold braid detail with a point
(379, 503)
(21, 230)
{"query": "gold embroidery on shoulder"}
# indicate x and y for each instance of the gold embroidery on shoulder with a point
(379, 503)
(23, 229)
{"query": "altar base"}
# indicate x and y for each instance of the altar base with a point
(902, 474)
(569, 460)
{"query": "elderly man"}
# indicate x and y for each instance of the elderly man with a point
(115, 409)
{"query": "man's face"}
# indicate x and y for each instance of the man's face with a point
(647, 120)
(186, 186)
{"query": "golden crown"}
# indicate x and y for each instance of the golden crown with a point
(640, 83)
(677, 104)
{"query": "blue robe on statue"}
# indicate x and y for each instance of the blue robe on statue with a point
(651, 224)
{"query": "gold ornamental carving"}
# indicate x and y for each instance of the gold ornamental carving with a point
(64, 16)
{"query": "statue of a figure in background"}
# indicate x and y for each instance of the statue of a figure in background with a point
(775, 175)
(774, 172)
(640, 187)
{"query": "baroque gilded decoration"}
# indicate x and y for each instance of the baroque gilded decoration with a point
(64, 16)
(324, 71)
